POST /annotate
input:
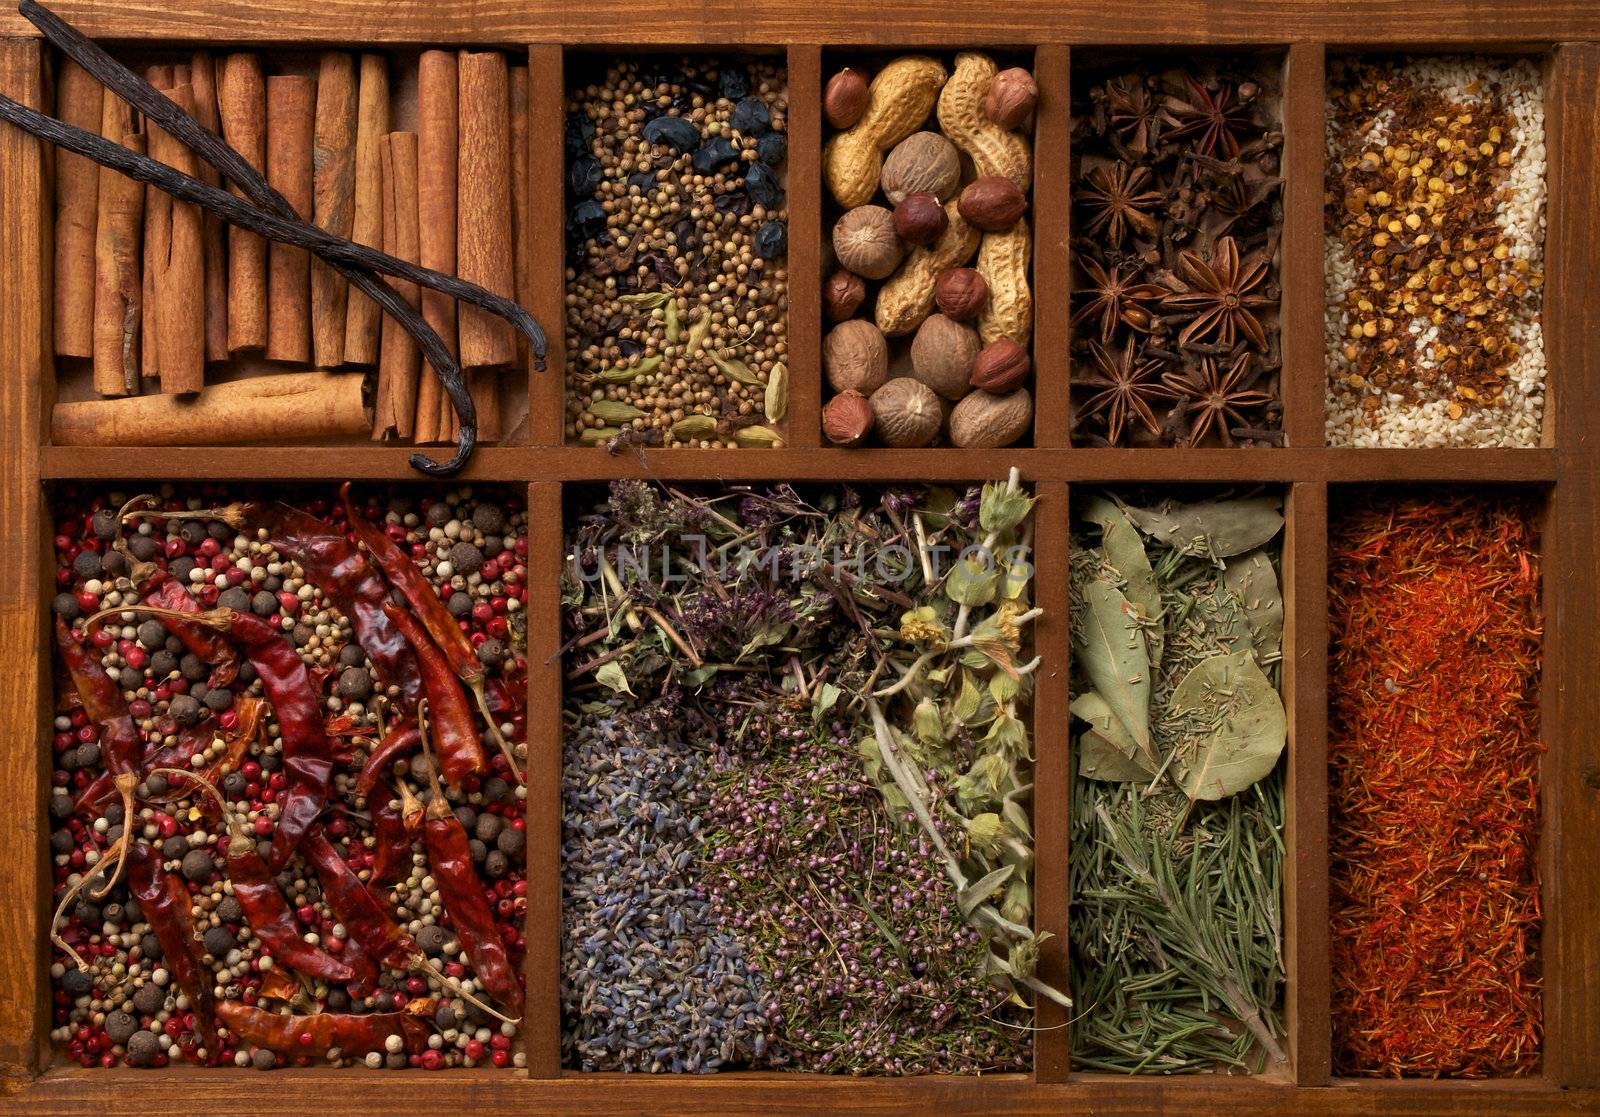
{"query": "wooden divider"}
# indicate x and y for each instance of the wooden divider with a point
(1305, 870)
(1052, 255)
(1300, 254)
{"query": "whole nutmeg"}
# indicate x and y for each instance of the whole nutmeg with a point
(1001, 366)
(845, 99)
(960, 293)
(842, 295)
(1011, 97)
(986, 421)
(908, 413)
(920, 219)
(855, 356)
(847, 419)
(991, 203)
(942, 355)
(866, 243)
(922, 163)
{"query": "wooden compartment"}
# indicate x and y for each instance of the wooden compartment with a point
(1055, 34)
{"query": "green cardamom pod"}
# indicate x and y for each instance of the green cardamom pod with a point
(672, 321)
(736, 370)
(691, 428)
(758, 437)
(777, 393)
(596, 436)
(645, 300)
(625, 374)
(698, 332)
(614, 411)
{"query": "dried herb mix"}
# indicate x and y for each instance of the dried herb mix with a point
(1434, 755)
(1177, 208)
(1177, 812)
(677, 240)
(818, 810)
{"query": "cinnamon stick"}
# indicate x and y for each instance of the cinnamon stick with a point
(157, 240)
(291, 107)
(436, 203)
(118, 283)
(317, 404)
(78, 97)
(179, 269)
(398, 359)
(333, 179)
(242, 104)
(362, 315)
(483, 226)
(203, 79)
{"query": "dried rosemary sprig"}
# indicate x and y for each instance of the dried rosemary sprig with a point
(1177, 810)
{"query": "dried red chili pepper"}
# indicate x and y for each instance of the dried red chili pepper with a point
(424, 600)
(265, 909)
(307, 760)
(397, 742)
(460, 752)
(391, 856)
(321, 1032)
(335, 567)
(120, 743)
(164, 901)
(192, 739)
(461, 892)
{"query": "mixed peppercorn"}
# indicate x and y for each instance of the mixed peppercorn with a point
(278, 834)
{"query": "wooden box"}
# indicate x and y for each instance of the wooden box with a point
(1566, 468)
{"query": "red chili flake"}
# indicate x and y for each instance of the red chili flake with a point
(1434, 756)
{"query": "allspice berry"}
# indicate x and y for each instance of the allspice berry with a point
(843, 294)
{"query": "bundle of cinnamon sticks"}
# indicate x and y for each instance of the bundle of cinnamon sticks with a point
(151, 290)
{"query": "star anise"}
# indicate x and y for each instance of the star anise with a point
(1114, 297)
(1218, 294)
(1217, 399)
(1116, 199)
(1217, 118)
(1124, 387)
(1135, 114)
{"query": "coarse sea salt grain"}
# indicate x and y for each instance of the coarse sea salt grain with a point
(1397, 421)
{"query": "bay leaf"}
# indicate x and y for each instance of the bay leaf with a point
(1095, 710)
(1111, 644)
(1212, 528)
(1252, 579)
(1099, 759)
(1124, 550)
(1249, 736)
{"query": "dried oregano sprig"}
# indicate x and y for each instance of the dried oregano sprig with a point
(1176, 848)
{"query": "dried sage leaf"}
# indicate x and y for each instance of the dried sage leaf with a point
(1002, 508)
(972, 580)
(1212, 528)
(1252, 579)
(777, 401)
(1111, 646)
(1231, 693)
(980, 890)
(1099, 759)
